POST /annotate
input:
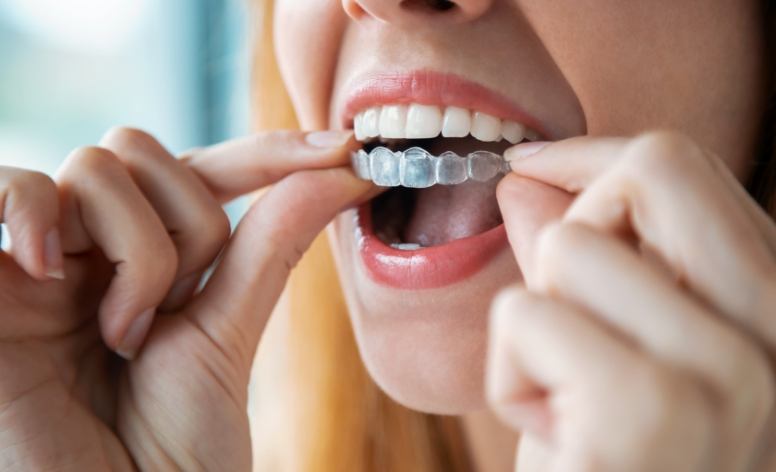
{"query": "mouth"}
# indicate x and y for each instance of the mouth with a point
(439, 222)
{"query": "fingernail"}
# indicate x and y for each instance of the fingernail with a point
(521, 151)
(135, 335)
(52, 255)
(328, 139)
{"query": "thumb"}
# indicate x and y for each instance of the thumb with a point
(527, 206)
(269, 241)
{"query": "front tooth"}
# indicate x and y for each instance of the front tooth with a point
(486, 127)
(358, 127)
(416, 169)
(512, 131)
(370, 122)
(423, 121)
(457, 122)
(451, 168)
(384, 167)
(393, 121)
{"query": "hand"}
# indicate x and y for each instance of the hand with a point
(646, 333)
(131, 229)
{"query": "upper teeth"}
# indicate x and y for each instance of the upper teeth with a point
(417, 121)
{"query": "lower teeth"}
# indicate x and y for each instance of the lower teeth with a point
(417, 168)
(406, 246)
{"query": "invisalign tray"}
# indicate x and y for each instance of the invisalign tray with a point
(416, 168)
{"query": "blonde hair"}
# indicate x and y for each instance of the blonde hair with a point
(339, 419)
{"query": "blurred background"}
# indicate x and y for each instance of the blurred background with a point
(70, 70)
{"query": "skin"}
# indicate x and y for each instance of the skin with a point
(571, 80)
(637, 332)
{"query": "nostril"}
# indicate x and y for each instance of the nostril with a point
(434, 5)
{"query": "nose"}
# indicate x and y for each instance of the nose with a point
(409, 12)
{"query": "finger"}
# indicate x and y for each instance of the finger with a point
(523, 373)
(610, 408)
(664, 190)
(197, 224)
(574, 164)
(29, 206)
(122, 224)
(244, 165)
(604, 276)
(762, 219)
(571, 164)
(527, 206)
(233, 307)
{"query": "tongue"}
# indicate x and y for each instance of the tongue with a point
(445, 213)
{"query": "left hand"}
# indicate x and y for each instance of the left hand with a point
(609, 361)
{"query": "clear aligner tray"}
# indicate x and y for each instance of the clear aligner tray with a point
(417, 168)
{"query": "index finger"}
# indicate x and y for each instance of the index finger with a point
(574, 164)
(240, 166)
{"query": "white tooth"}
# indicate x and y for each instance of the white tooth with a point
(512, 131)
(423, 121)
(358, 127)
(457, 122)
(486, 127)
(393, 121)
(370, 123)
(406, 246)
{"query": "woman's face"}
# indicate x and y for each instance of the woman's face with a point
(563, 68)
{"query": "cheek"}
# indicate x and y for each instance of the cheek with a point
(689, 65)
(307, 35)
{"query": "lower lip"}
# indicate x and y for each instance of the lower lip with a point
(425, 268)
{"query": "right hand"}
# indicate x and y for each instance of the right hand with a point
(132, 229)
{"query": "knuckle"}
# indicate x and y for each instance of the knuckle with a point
(93, 160)
(510, 299)
(28, 181)
(661, 153)
(284, 245)
(201, 242)
(556, 243)
(160, 261)
(218, 230)
(124, 138)
(664, 399)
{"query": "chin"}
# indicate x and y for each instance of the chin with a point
(424, 347)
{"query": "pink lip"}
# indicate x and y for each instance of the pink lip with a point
(431, 267)
(428, 87)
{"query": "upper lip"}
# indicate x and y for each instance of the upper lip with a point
(429, 87)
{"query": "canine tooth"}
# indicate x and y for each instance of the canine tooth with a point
(423, 121)
(384, 167)
(416, 169)
(484, 165)
(393, 121)
(451, 168)
(531, 135)
(371, 122)
(361, 164)
(358, 127)
(486, 127)
(512, 131)
(456, 123)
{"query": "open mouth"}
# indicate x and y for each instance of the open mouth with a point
(457, 165)
(435, 141)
